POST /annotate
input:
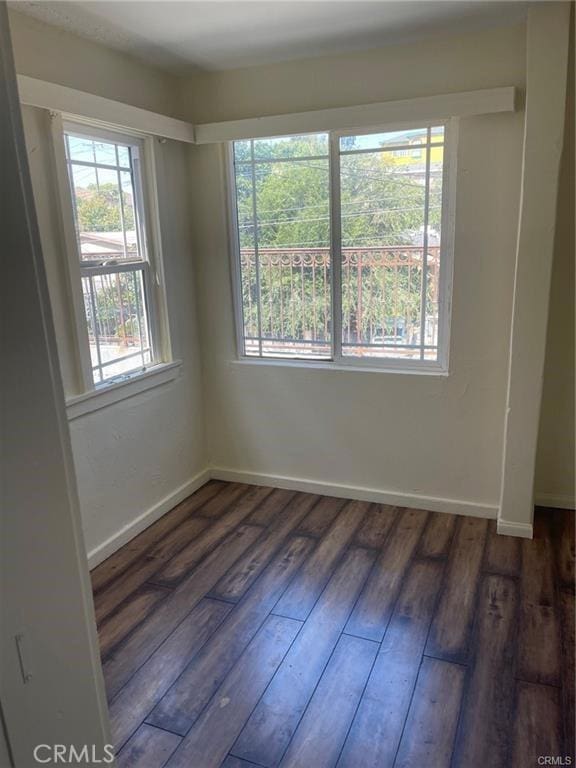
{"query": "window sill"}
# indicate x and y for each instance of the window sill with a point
(80, 405)
(421, 369)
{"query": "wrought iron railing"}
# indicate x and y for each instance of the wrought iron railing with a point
(287, 296)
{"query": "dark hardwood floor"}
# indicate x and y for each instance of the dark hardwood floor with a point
(260, 627)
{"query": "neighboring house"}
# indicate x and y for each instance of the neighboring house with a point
(103, 245)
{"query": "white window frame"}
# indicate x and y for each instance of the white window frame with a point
(338, 360)
(162, 367)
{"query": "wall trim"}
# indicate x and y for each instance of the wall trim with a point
(440, 107)
(140, 523)
(508, 528)
(70, 101)
(382, 496)
(547, 41)
(558, 501)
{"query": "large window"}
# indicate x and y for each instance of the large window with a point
(341, 251)
(105, 175)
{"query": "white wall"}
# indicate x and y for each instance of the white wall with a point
(555, 461)
(138, 456)
(52, 54)
(440, 438)
(438, 64)
(546, 77)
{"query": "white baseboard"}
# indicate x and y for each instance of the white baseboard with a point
(508, 528)
(128, 532)
(382, 496)
(554, 500)
(395, 498)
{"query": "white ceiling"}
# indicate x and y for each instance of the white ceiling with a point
(219, 34)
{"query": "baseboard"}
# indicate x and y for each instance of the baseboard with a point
(128, 532)
(395, 498)
(382, 496)
(554, 500)
(508, 528)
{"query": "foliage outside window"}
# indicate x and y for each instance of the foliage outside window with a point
(340, 244)
(107, 200)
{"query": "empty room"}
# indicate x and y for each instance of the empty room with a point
(288, 384)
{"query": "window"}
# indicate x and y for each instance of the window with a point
(105, 176)
(341, 255)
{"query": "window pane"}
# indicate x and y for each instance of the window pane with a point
(242, 151)
(291, 146)
(102, 183)
(81, 149)
(128, 214)
(284, 233)
(283, 147)
(117, 327)
(123, 156)
(390, 225)
(105, 153)
(414, 137)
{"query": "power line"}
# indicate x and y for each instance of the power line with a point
(344, 203)
(271, 222)
(325, 244)
(263, 173)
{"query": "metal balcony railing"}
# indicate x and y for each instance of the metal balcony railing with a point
(287, 297)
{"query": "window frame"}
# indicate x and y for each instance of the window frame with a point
(149, 264)
(337, 359)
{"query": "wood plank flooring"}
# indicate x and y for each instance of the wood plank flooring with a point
(256, 628)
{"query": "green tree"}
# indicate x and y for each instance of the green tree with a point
(98, 209)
